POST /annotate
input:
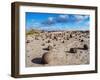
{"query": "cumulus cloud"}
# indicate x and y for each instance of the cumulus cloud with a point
(87, 23)
(49, 21)
(62, 18)
(54, 20)
(34, 23)
(86, 16)
(80, 17)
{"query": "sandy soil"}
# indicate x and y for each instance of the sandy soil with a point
(63, 41)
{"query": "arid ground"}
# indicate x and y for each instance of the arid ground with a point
(71, 46)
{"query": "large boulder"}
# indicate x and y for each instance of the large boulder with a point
(54, 58)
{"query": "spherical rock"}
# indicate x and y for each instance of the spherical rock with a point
(49, 47)
(73, 50)
(54, 58)
(85, 46)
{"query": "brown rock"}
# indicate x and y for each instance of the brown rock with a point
(53, 58)
(85, 46)
(73, 50)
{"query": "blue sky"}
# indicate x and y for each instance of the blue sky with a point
(50, 21)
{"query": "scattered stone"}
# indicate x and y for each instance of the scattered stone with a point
(28, 41)
(48, 41)
(63, 41)
(82, 40)
(85, 47)
(73, 50)
(28, 56)
(43, 44)
(43, 39)
(70, 36)
(69, 46)
(49, 47)
(67, 38)
(36, 38)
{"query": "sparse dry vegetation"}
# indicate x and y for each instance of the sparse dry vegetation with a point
(32, 32)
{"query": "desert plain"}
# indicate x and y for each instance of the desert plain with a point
(55, 48)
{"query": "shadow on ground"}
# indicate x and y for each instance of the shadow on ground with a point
(37, 60)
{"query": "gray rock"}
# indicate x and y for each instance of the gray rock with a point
(54, 58)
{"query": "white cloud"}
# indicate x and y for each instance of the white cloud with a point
(50, 19)
(63, 16)
(87, 23)
(85, 17)
(81, 17)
